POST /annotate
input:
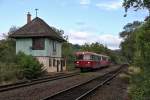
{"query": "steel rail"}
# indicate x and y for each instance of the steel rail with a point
(98, 86)
(26, 81)
(36, 81)
(65, 91)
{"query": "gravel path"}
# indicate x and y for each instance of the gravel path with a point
(38, 91)
(115, 90)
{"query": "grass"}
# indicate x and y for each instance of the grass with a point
(134, 70)
(8, 73)
(139, 87)
(70, 67)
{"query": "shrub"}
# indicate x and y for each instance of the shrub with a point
(8, 72)
(29, 66)
(140, 87)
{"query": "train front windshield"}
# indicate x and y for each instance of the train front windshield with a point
(83, 57)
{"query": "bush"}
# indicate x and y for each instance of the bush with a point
(29, 66)
(140, 83)
(8, 72)
(140, 88)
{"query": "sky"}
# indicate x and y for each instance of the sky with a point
(84, 21)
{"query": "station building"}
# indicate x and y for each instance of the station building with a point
(43, 42)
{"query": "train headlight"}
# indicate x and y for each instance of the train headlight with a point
(77, 62)
(89, 62)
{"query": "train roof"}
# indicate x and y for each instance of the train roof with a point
(91, 53)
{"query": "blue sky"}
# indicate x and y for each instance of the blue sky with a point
(82, 20)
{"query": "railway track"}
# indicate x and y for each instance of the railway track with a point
(36, 81)
(79, 91)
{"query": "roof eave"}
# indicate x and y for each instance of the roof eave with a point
(53, 38)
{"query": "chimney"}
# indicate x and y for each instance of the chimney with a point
(28, 17)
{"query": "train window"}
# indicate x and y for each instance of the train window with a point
(99, 58)
(104, 58)
(86, 57)
(79, 57)
(96, 58)
(92, 57)
(83, 57)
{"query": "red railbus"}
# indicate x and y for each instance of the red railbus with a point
(90, 60)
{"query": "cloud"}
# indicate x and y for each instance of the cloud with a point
(110, 5)
(85, 2)
(111, 41)
(77, 37)
(2, 36)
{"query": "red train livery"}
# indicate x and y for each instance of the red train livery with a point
(90, 60)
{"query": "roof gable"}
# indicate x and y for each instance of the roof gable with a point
(37, 28)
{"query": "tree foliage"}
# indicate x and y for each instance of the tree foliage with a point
(136, 48)
(94, 47)
(140, 89)
(7, 47)
(128, 35)
(141, 82)
(143, 44)
(137, 4)
(7, 50)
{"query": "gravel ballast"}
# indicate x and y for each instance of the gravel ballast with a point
(38, 91)
(115, 90)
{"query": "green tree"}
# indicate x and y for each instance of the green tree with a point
(137, 4)
(141, 82)
(94, 47)
(128, 44)
(7, 47)
(68, 52)
(143, 43)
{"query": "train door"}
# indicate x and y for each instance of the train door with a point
(96, 61)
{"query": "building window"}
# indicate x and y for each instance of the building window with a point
(38, 44)
(54, 46)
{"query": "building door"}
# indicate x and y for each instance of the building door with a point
(57, 65)
(61, 65)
